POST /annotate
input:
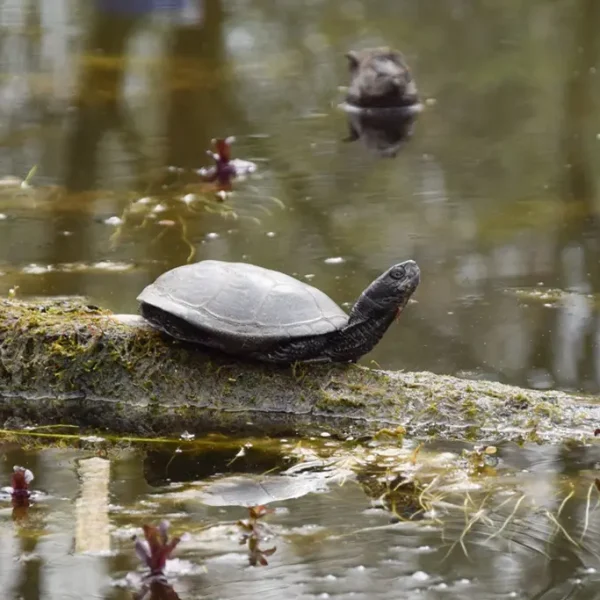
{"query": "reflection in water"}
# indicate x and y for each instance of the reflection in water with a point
(384, 133)
(99, 105)
(157, 590)
(523, 526)
(91, 507)
(20, 494)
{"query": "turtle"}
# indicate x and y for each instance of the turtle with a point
(249, 311)
(380, 79)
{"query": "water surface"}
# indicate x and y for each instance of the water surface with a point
(109, 107)
(526, 527)
(495, 195)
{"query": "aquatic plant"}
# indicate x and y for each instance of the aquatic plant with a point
(481, 459)
(224, 170)
(253, 536)
(20, 480)
(156, 549)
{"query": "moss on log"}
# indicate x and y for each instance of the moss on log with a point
(62, 361)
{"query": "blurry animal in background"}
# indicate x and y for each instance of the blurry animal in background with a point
(380, 78)
(382, 102)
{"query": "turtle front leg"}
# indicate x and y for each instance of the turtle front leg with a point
(308, 349)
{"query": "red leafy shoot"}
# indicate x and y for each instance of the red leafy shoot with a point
(223, 171)
(20, 480)
(156, 549)
(252, 536)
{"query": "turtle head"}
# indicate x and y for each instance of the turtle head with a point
(389, 293)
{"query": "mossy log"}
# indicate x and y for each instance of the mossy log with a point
(63, 361)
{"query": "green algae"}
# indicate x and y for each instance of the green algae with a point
(67, 361)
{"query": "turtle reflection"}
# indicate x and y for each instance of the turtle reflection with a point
(383, 131)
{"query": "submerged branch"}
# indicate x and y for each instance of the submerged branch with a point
(62, 361)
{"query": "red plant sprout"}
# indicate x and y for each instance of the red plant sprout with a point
(258, 512)
(224, 171)
(252, 536)
(20, 480)
(223, 148)
(156, 549)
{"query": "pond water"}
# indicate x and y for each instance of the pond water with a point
(526, 527)
(494, 196)
(108, 108)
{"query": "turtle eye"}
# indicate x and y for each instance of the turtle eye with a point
(397, 273)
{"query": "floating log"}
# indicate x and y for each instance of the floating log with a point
(65, 361)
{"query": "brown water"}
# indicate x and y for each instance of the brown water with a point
(495, 197)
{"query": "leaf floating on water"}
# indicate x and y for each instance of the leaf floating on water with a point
(114, 220)
(34, 269)
(259, 491)
(93, 439)
(549, 297)
(189, 198)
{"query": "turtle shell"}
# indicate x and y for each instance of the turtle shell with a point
(241, 303)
